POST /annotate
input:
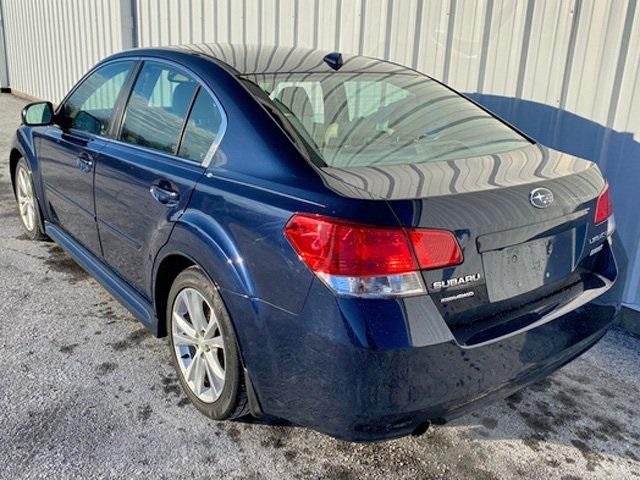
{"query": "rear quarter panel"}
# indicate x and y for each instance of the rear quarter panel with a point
(244, 226)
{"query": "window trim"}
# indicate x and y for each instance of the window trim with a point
(121, 104)
(123, 117)
(123, 99)
(187, 117)
(113, 118)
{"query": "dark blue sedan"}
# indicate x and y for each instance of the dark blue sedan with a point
(335, 240)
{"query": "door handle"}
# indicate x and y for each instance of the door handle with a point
(164, 196)
(84, 161)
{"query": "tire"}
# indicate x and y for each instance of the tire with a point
(189, 348)
(27, 202)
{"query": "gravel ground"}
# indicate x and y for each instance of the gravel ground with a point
(86, 392)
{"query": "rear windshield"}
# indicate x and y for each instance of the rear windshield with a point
(362, 119)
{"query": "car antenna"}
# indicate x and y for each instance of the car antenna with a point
(334, 60)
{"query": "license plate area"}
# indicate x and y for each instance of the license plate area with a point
(522, 268)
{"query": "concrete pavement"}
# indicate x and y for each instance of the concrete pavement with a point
(86, 392)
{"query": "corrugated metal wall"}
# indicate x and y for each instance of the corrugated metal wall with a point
(4, 71)
(565, 71)
(52, 43)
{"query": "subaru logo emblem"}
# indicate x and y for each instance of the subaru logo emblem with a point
(541, 197)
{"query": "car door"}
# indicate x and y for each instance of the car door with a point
(144, 180)
(67, 151)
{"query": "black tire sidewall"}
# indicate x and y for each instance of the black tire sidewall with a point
(225, 405)
(36, 233)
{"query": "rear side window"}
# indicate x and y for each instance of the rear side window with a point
(157, 107)
(90, 106)
(202, 128)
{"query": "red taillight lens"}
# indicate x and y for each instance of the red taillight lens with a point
(435, 248)
(337, 247)
(340, 248)
(604, 209)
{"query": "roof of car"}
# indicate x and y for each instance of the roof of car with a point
(262, 59)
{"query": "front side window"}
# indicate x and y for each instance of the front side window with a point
(205, 121)
(157, 107)
(369, 119)
(90, 107)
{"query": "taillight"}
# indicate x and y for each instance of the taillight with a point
(604, 209)
(362, 260)
(435, 248)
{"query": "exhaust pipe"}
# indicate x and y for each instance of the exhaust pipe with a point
(421, 429)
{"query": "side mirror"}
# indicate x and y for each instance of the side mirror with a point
(37, 114)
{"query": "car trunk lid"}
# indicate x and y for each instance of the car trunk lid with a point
(513, 249)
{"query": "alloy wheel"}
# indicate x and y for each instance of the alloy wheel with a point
(26, 199)
(198, 344)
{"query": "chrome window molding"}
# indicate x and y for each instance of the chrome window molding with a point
(216, 141)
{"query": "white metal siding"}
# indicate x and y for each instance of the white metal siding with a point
(4, 71)
(566, 71)
(52, 43)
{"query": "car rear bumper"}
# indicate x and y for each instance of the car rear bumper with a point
(455, 381)
(363, 370)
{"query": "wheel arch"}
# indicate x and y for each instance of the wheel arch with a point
(14, 158)
(167, 271)
(24, 147)
(190, 245)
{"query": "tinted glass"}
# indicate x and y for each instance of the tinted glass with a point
(354, 120)
(202, 127)
(90, 107)
(157, 107)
